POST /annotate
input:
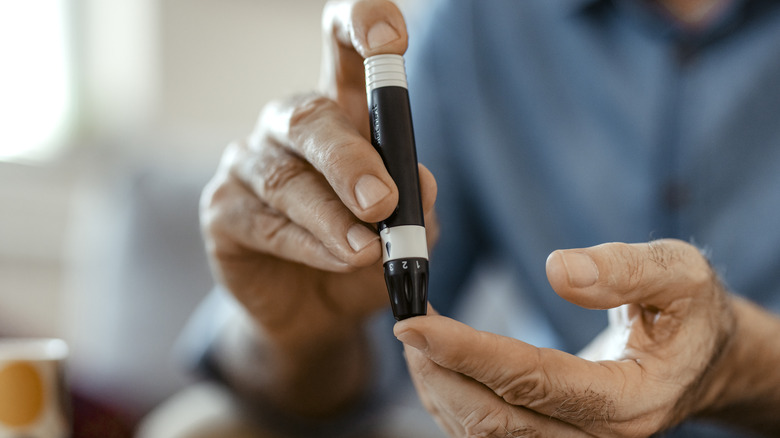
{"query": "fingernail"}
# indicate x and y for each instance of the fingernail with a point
(369, 190)
(359, 237)
(413, 339)
(380, 34)
(582, 270)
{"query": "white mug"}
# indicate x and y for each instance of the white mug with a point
(34, 400)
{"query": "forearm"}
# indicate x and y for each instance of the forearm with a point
(316, 378)
(745, 384)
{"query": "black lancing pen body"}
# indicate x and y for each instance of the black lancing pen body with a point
(404, 244)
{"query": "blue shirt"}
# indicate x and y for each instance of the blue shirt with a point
(568, 123)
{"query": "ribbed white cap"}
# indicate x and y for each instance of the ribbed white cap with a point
(384, 71)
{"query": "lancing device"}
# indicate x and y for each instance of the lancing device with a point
(404, 245)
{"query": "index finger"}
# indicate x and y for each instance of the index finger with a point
(314, 128)
(465, 407)
(598, 397)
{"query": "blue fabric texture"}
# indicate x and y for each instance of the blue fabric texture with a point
(568, 123)
(554, 124)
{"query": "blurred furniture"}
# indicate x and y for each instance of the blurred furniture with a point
(138, 270)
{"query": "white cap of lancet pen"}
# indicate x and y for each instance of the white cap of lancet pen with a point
(384, 71)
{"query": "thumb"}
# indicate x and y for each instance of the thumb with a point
(610, 275)
(367, 27)
(353, 31)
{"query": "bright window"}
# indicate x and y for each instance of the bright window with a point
(35, 83)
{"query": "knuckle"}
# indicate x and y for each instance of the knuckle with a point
(268, 227)
(274, 171)
(333, 157)
(211, 204)
(285, 116)
(227, 211)
(323, 134)
(483, 422)
(327, 213)
(306, 109)
(518, 389)
(677, 253)
(516, 385)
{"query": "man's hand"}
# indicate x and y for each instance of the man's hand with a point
(288, 217)
(288, 224)
(649, 370)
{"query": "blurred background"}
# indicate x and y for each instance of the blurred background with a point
(113, 114)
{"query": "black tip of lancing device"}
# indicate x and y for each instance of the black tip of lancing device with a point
(404, 245)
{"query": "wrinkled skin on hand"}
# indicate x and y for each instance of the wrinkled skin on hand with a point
(288, 217)
(671, 319)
